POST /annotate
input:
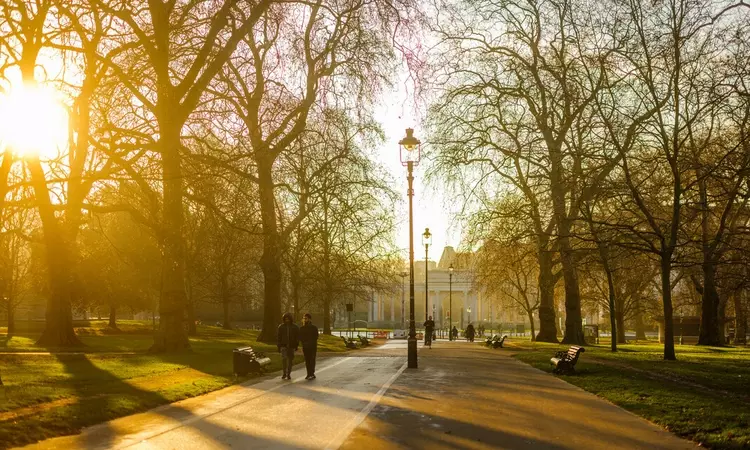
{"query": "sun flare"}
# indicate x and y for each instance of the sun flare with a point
(33, 121)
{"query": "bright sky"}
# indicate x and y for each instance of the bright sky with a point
(432, 205)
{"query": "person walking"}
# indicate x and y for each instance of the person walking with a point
(308, 335)
(454, 331)
(470, 333)
(429, 327)
(287, 341)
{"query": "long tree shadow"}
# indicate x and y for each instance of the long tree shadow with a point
(93, 404)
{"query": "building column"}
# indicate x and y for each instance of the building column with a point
(438, 315)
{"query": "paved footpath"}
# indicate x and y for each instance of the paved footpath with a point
(463, 396)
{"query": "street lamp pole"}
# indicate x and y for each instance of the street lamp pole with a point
(468, 310)
(403, 293)
(426, 239)
(410, 144)
(450, 302)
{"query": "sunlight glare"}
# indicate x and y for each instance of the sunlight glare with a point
(33, 121)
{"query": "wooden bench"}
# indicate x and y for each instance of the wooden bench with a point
(364, 341)
(498, 342)
(565, 362)
(246, 360)
(350, 343)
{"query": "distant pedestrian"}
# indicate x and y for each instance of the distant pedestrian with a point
(287, 341)
(308, 335)
(454, 332)
(429, 328)
(470, 333)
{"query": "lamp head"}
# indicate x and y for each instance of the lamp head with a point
(412, 146)
(426, 237)
(450, 268)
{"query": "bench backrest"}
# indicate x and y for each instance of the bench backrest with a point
(573, 352)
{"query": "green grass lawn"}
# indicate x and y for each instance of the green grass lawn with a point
(703, 396)
(60, 393)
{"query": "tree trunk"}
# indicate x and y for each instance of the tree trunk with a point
(740, 320)
(172, 333)
(546, 281)
(113, 317)
(192, 328)
(11, 310)
(531, 324)
(270, 260)
(327, 315)
(666, 287)
(640, 328)
(573, 318)
(58, 330)
(711, 328)
(614, 317)
(226, 324)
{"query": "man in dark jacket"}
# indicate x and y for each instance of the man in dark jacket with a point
(308, 335)
(287, 341)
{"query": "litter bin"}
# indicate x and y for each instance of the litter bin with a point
(246, 360)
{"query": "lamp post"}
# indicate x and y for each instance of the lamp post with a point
(403, 277)
(450, 302)
(413, 154)
(426, 241)
(468, 310)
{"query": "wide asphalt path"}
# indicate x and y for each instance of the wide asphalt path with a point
(463, 396)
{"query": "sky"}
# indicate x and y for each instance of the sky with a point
(433, 206)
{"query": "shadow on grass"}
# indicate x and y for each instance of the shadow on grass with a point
(101, 396)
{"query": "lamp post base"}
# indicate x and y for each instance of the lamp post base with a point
(412, 353)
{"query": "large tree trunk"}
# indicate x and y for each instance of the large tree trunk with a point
(58, 330)
(172, 333)
(666, 288)
(711, 328)
(740, 320)
(614, 312)
(192, 328)
(531, 324)
(113, 317)
(546, 281)
(573, 318)
(11, 310)
(270, 260)
(640, 327)
(227, 325)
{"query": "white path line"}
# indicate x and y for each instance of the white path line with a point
(337, 441)
(197, 418)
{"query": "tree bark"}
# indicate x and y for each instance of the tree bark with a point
(613, 311)
(531, 324)
(58, 330)
(270, 260)
(172, 333)
(640, 329)
(710, 328)
(740, 320)
(227, 325)
(11, 310)
(666, 287)
(113, 317)
(546, 281)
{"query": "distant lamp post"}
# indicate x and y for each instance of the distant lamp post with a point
(410, 152)
(403, 277)
(468, 310)
(450, 302)
(426, 241)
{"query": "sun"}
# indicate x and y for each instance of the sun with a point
(33, 121)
